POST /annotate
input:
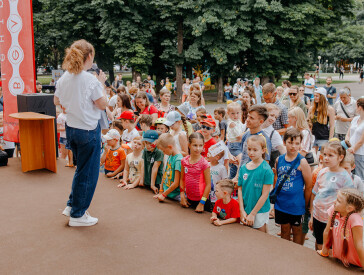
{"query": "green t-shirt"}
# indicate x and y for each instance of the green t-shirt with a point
(252, 182)
(173, 164)
(149, 159)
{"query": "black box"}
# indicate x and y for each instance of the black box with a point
(39, 103)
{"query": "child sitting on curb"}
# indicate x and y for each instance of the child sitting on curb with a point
(226, 209)
(114, 155)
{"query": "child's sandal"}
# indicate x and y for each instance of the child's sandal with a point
(321, 254)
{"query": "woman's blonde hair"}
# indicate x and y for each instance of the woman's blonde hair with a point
(194, 87)
(76, 56)
(163, 92)
(322, 110)
(301, 123)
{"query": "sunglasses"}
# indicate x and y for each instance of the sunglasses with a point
(292, 94)
(206, 127)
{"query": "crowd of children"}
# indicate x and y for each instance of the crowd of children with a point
(238, 165)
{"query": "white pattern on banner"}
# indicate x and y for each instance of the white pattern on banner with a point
(15, 53)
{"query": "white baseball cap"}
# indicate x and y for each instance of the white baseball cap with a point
(112, 134)
(321, 91)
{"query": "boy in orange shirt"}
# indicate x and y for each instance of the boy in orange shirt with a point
(114, 155)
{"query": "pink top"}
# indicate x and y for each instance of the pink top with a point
(338, 236)
(194, 177)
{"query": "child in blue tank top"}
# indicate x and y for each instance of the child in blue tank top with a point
(254, 182)
(294, 197)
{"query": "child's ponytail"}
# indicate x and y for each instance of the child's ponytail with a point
(329, 240)
(345, 244)
(184, 122)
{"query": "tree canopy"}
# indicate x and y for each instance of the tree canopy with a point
(161, 37)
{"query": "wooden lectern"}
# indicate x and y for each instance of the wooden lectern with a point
(37, 141)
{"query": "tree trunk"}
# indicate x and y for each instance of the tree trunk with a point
(111, 74)
(293, 77)
(158, 86)
(189, 72)
(179, 67)
(220, 90)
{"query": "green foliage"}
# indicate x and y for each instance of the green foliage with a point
(265, 37)
(346, 42)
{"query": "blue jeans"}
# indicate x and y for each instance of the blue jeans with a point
(86, 146)
(227, 95)
(235, 149)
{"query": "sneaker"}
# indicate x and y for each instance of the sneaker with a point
(67, 211)
(85, 220)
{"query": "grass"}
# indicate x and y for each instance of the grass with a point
(46, 79)
(322, 81)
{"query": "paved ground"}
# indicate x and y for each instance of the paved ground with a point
(135, 235)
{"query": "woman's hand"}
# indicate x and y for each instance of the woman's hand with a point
(101, 77)
(351, 150)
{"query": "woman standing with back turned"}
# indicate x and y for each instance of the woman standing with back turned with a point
(83, 97)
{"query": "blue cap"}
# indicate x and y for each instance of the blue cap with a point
(150, 136)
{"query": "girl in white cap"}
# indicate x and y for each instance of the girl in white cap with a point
(174, 122)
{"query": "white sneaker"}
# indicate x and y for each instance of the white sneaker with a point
(85, 220)
(67, 211)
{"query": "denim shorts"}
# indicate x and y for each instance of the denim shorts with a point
(320, 142)
(63, 140)
(235, 148)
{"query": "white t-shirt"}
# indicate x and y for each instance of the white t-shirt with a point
(228, 88)
(77, 93)
(128, 136)
(113, 100)
(356, 132)
(61, 119)
(134, 164)
(342, 127)
(276, 139)
(233, 132)
(217, 172)
(307, 141)
(309, 82)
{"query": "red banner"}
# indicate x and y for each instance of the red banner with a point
(17, 58)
